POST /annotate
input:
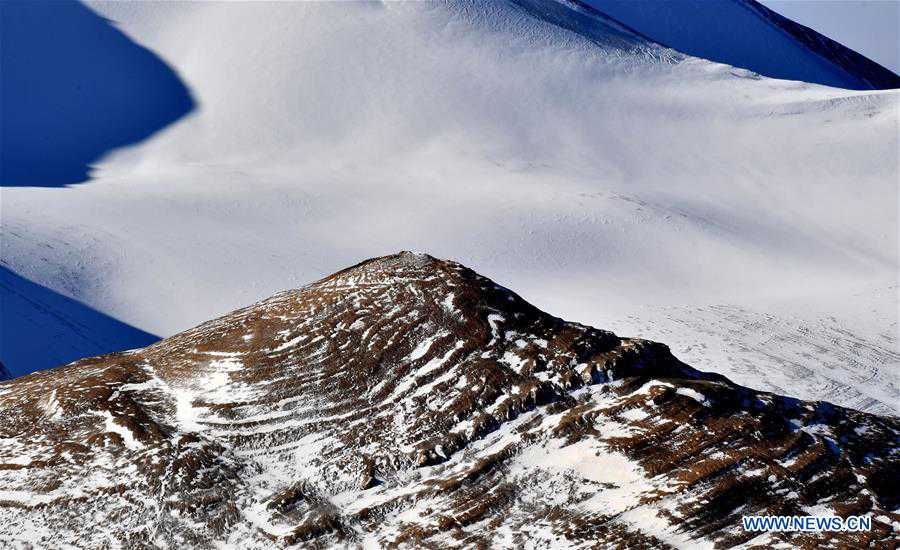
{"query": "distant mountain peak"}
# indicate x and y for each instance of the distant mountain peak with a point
(748, 35)
(408, 400)
(871, 74)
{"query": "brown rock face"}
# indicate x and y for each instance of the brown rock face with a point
(408, 401)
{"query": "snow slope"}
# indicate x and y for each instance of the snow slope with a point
(605, 177)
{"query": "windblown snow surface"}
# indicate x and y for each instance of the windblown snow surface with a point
(749, 222)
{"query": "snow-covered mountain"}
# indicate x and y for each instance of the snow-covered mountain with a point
(748, 221)
(410, 402)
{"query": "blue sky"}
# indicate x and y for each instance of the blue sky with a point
(871, 27)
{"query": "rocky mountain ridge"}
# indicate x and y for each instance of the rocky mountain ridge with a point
(408, 401)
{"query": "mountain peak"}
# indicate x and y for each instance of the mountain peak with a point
(747, 35)
(387, 269)
(409, 400)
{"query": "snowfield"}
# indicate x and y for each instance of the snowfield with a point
(749, 222)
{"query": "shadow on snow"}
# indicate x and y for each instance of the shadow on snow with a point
(40, 328)
(74, 88)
